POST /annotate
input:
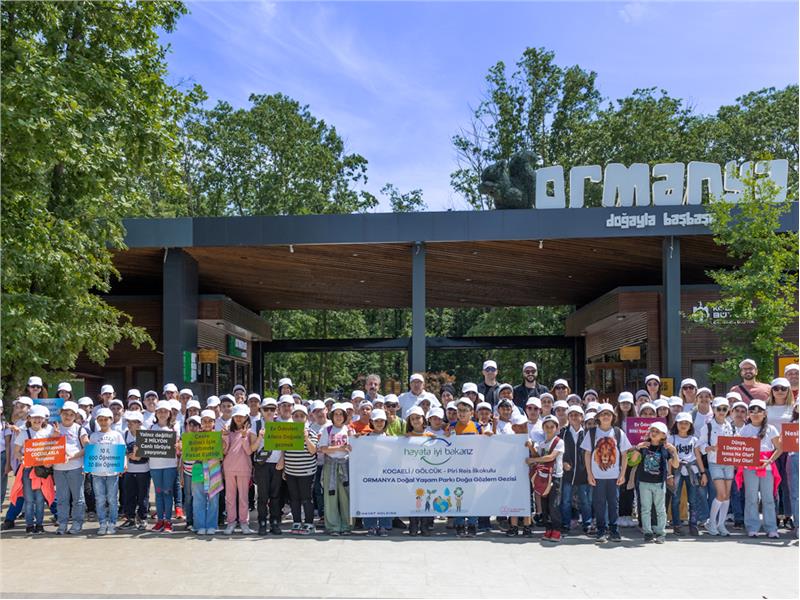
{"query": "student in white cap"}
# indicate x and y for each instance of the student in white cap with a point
(318, 419)
(206, 492)
(35, 497)
(652, 383)
(226, 404)
(546, 400)
(334, 443)
(436, 423)
(395, 425)
(750, 388)
(659, 457)
(792, 373)
(416, 387)
(760, 481)
(364, 411)
(721, 475)
(702, 412)
(164, 471)
(170, 391)
(35, 388)
(488, 387)
(549, 453)
(285, 386)
(237, 447)
(533, 408)
(623, 412)
(239, 393)
(560, 389)
(136, 481)
(299, 468)
(64, 391)
(106, 396)
(529, 386)
(106, 481)
(574, 480)
(691, 474)
(68, 477)
(19, 415)
(266, 475)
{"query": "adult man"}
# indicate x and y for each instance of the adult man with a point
(750, 388)
(529, 386)
(488, 387)
(371, 387)
(792, 373)
(416, 384)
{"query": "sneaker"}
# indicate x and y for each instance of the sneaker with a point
(262, 529)
(38, 529)
(615, 536)
(111, 530)
(212, 531)
(660, 539)
(555, 535)
(383, 532)
(752, 534)
(648, 537)
(141, 525)
(413, 532)
(229, 529)
(75, 530)
(512, 531)
(527, 531)
(167, 526)
(275, 529)
(601, 538)
(29, 529)
(304, 529)
(678, 530)
(398, 523)
(200, 532)
(471, 531)
(723, 531)
(245, 527)
(7, 525)
(61, 531)
(711, 528)
(102, 530)
(460, 531)
(296, 528)
(179, 513)
(334, 533)
(694, 531)
(547, 534)
(346, 533)
(128, 524)
(774, 535)
(159, 526)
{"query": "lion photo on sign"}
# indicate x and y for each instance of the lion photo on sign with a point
(605, 453)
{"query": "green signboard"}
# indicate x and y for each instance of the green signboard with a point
(237, 347)
(189, 367)
(284, 436)
(202, 445)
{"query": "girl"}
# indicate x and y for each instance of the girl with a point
(738, 419)
(484, 412)
(560, 411)
(793, 476)
(192, 425)
(415, 426)
(626, 491)
(663, 411)
(652, 383)
(136, 481)
(573, 482)
(334, 442)
(658, 457)
(779, 410)
(589, 395)
(64, 391)
(299, 468)
(721, 475)
(702, 412)
(550, 450)
(546, 400)
(33, 487)
(237, 445)
(206, 489)
(762, 480)
(68, 477)
(19, 417)
(589, 420)
(106, 482)
(436, 423)
(379, 526)
(164, 471)
(690, 473)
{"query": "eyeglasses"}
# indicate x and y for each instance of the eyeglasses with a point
(780, 388)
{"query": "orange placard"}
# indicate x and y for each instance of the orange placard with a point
(45, 451)
(789, 437)
(738, 451)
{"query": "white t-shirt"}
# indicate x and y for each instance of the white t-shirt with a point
(220, 423)
(20, 423)
(317, 428)
(606, 455)
(716, 431)
(163, 463)
(700, 420)
(24, 432)
(543, 449)
(135, 467)
(766, 442)
(408, 400)
(148, 419)
(339, 436)
(535, 431)
(779, 413)
(109, 437)
(504, 427)
(73, 435)
(685, 447)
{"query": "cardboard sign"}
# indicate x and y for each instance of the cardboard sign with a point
(155, 444)
(45, 451)
(738, 451)
(637, 427)
(53, 405)
(789, 437)
(284, 436)
(202, 445)
(104, 459)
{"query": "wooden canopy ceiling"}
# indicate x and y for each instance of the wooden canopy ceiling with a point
(496, 273)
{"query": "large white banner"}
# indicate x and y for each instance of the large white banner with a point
(460, 475)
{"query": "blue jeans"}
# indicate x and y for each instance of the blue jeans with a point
(583, 492)
(204, 509)
(316, 493)
(652, 495)
(177, 491)
(106, 497)
(375, 522)
(753, 486)
(164, 482)
(461, 521)
(706, 495)
(34, 501)
(794, 482)
(188, 494)
(69, 492)
(605, 505)
(692, 494)
(737, 503)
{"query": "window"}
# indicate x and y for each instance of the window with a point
(144, 379)
(700, 371)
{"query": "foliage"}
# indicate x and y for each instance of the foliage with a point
(760, 294)
(87, 120)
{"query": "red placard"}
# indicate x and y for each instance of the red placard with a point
(789, 437)
(45, 451)
(637, 427)
(738, 451)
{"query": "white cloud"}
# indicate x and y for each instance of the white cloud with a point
(633, 12)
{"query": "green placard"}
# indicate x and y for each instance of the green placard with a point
(202, 445)
(284, 436)
(197, 473)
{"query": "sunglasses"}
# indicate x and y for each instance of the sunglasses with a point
(490, 369)
(721, 409)
(689, 387)
(529, 372)
(36, 385)
(755, 409)
(780, 388)
(560, 387)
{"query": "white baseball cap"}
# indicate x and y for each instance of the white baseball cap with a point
(489, 364)
(589, 415)
(649, 405)
(575, 409)
(348, 406)
(467, 401)
(605, 407)
(116, 401)
(149, 393)
(780, 381)
(174, 404)
(416, 377)
(675, 401)
(560, 404)
(653, 377)
(240, 410)
(227, 398)
(238, 388)
(365, 403)
(35, 380)
(208, 414)
(269, 402)
(27, 401)
(563, 382)
(104, 412)
(415, 410)
(70, 405)
(163, 405)
(193, 404)
(65, 386)
(316, 405)
(661, 403)
(504, 386)
(518, 419)
(300, 408)
(625, 397)
(85, 401)
(747, 361)
(684, 416)
(469, 387)
(338, 406)
(720, 402)
(534, 401)
(378, 413)
(485, 405)
(286, 399)
(758, 404)
(252, 396)
(451, 405)
(791, 367)
(530, 364)
(738, 404)
(135, 393)
(107, 389)
(186, 392)
(436, 411)
(212, 401)
(170, 387)
(593, 405)
(285, 381)
(136, 401)
(659, 426)
(82, 413)
(688, 381)
(357, 394)
(735, 396)
(546, 395)
(134, 415)
(550, 419)
(194, 419)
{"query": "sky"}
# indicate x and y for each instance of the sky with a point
(399, 79)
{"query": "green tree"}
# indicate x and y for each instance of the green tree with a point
(408, 202)
(760, 294)
(88, 123)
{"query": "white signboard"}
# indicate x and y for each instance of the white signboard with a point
(464, 475)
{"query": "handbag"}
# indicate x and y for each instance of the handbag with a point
(542, 476)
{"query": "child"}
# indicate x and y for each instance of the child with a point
(299, 468)
(690, 473)
(379, 526)
(237, 446)
(106, 483)
(334, 442)
(648, 410)
(574, 480)
(502, 424)
(33, 486)
(626, 491)
(266, 475)
(205, 492)
(415, 426)
(435, 426)
(550, 452)
(19, 417)
(136, 481)
(465, 425)
(721, 475)
(395, 425)
(68, 477)
(763, 480)
(604, 447)
(451, 414)
(164, 471)
(658, 457)
(192, 425)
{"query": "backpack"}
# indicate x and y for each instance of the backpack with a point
(617, 437)
(260, 457)
(542, 473)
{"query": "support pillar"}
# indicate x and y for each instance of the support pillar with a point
(671, 308)
(179, 314)
(258, 368)
(417, 354)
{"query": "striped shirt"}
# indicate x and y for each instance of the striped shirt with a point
(299, 463)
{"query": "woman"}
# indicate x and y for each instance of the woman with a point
(762, 480)
(652, 383)
(779, 410)
(688, 392)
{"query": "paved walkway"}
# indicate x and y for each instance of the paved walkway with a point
(180, 565)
